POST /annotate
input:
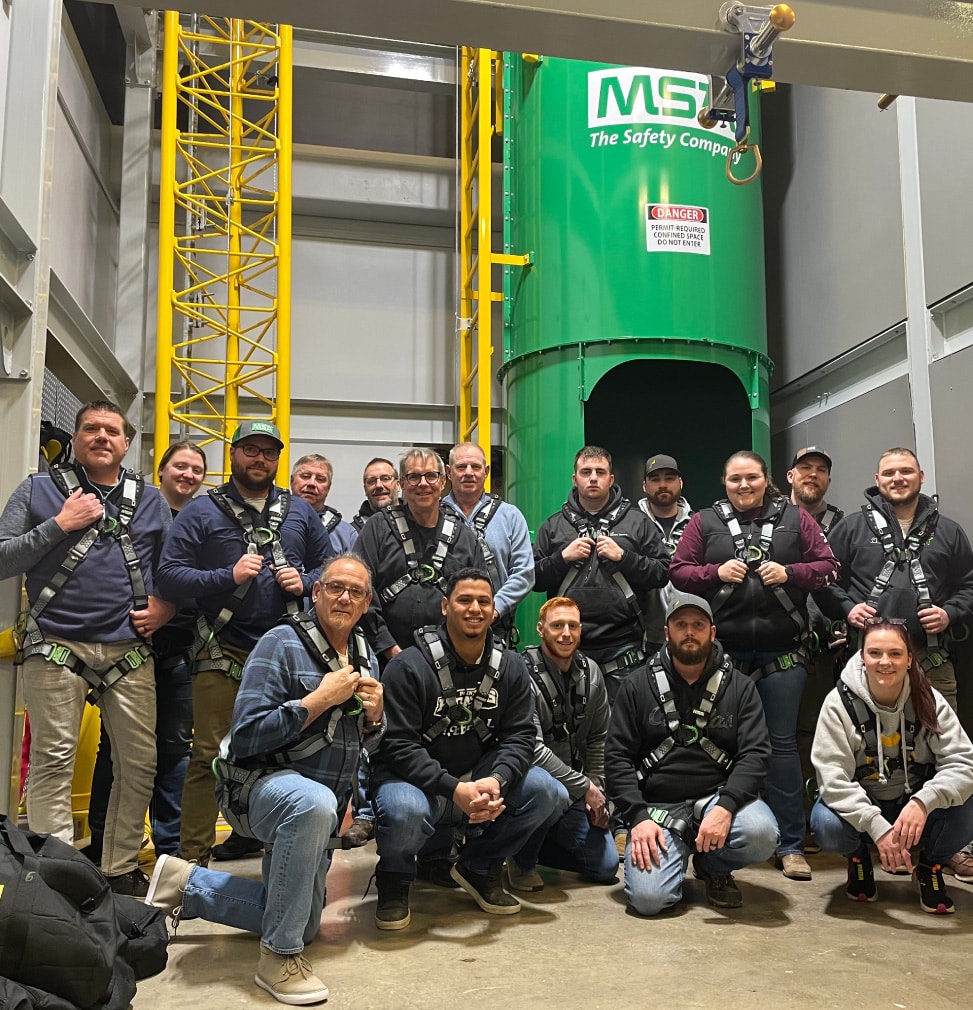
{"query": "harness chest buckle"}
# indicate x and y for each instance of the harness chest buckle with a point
(786, 661)
(235, 672)
(134, 659)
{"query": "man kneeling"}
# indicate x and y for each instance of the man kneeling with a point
(686, 755)
(308, 701)
(457, 753)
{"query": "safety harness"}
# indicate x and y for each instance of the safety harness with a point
(428, 569)
(686, 734)
(875, 767)
(480, 522)
(602, 527)
(907, 556)
(753, 554)
(567, 707)
(829, 517)
(457, 714)
(33, 642)
(329, 519)
(257, 539)
(235, 783)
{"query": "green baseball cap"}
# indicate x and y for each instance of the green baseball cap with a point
(249, 428)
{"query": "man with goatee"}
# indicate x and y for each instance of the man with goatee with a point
(248, 553)
(686, 756)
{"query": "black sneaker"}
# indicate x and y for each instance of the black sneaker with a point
(486, 889)
(435, 870)
(392, 910)
(721, 888)
(134, 883)
(238, 847)
(932, 890)
(861, 878)
(359, 832)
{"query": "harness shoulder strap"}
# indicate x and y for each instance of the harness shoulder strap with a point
(329, 519)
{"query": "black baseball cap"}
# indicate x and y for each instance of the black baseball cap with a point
(660, 462)
(811, 450)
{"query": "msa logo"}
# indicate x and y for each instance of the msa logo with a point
(628, 95)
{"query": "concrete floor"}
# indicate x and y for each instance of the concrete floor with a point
(575, 947)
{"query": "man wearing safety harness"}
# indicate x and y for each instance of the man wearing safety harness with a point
(308, 702)
(413, 549)
(665, 505)
(901, 557)
(500, 528)
(89, 535)
(247, 552)
(605, 554)
(457, 752)
(686, 756)
(571, 715)
(381, 486)
(311, 479)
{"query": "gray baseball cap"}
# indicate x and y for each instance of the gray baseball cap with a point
(679, 600)
(660, 462)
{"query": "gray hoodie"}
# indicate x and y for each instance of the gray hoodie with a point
(839, 749)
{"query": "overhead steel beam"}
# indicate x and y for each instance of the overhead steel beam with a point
(902, 47)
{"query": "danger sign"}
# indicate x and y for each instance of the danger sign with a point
(673, 227)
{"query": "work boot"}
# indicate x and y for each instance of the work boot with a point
(289, 978)
(486, 889)
(961, 866)
(434, 868)
(359, 832)
(134, 883)
(523, 880)
(721, 888)
(392, 910)
(168, 884)
(238, 847)
(932, 890)
(861, 877)
(794, 866)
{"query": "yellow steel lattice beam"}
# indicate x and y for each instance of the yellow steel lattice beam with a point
(223, 351)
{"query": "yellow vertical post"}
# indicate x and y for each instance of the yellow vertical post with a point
(285, 143)
(467, 225)
(167, 225)
(484, 260)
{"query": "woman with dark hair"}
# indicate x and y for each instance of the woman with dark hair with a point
(894, 765)
(754, 556)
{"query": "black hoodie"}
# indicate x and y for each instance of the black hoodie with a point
(606, 618)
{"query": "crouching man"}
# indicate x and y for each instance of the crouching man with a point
(308, 702)
(571, 704)
(686, 755)
(457, 753)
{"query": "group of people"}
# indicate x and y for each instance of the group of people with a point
(252, 653)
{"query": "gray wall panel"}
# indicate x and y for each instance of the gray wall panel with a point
(834, 233)
(854, 435)
(946, 146)
(951, 379)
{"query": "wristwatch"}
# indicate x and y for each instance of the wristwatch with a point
(788, 571)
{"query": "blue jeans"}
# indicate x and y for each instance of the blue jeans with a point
(780, 693)
(947, 829)
(752, 839)
(406, 818)
(298, 816)
(569, 841)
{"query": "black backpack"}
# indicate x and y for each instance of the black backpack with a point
(59, 928)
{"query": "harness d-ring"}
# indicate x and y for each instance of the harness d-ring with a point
(741, 147)
(263, 536)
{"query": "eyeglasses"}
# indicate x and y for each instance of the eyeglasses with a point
(253, 451)
(385, 478)
(338, 589)
(415, 479)
(878, 622)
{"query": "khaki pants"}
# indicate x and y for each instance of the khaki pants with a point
(942, 678)
(55, 700)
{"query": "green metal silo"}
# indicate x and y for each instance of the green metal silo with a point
(641, 323)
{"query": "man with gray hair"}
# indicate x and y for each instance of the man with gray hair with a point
(311, 479)
(412, 550)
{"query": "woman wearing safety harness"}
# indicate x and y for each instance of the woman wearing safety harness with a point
(894, 766)
(755, 556)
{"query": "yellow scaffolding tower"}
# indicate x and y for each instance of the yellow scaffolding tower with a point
(223, 353)
(481, 119)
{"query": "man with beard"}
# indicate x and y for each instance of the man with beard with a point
(686, 756)
(499, 526)
(902, 558)
(311, 479)
(605, 554)
(412, 550)
(381, 484)
(810, 478)
(457, 751)
(571, 706)
(668, 509)
(247, 552)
